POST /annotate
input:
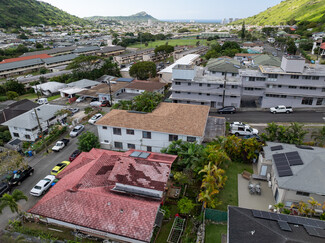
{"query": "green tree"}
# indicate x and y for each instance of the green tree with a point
(11, 95)
(164, 50)
(143, 70)
(12, 200)
(43, 70)
(85, 63)
(11, 160)
(147, 101)
(185, 205)
(38, 45)
(291, 47)
(242, 32)
(88, 141)
(319, 136)
(12, 85)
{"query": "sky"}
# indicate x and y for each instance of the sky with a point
(166, 9)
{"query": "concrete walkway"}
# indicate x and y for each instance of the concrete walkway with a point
(258, 202)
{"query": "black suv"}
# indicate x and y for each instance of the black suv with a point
(20, 175)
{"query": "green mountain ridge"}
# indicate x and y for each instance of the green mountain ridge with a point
(16, 13)
(299, 10)
(138, 17)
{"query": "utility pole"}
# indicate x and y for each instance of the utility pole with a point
(110, 91)
(224, 90)
(41, 130)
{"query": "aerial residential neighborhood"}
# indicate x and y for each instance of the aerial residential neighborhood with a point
(183, 123)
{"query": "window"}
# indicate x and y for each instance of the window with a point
(118, 145)
(200, 93)
(306, 194)
(188, 92)
(294, 76)
(307, 101)
(177, 83)
(208, 94)
(27, 136)
(233, 74)
(117, 131)
(306, 77)
(249, 88)
(16, 134)
(315, 78)
(259, 79)
(279, 86)
(202, 103)
(319, 101)
(272, 76)
(173, 137)
(251, 79)
(187, 102)
(104, 127)
(131, 146)
(149, 149)
(200, 85)
(129, 131)
(177, 92)
(292, 87)
(209, 85)
(106, 141)
(146, 135)
(303, 87)
(312, 88)
(234, 86)
(191, 139)
(323, 89)
(28, 130)
(189, 84)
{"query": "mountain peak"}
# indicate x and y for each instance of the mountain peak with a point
(142, 14)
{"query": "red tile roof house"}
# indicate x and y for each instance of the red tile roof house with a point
(108, 194)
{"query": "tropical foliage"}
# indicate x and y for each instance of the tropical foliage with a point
(293, 134)
(146, 102)
(16, 13)
(87, 141)
(11, 160)
(229, 48)
(185, 205)
(12, 200)
(319, 136)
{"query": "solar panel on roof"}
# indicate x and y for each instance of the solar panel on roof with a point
(265, 215)
(144, 155)
(275, 148)
(284, 225)
(294, 158)
(283, 217)
(282, 165)
(313, 231)
(274, 216)
(257, 213)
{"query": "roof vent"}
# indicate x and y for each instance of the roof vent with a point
(121, 211)
(109, 204)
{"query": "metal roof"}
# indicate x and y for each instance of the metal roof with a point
(86, 49)
(20, 64)
(57, 59)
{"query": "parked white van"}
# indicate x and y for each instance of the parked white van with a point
(42, 101)
(243, 130)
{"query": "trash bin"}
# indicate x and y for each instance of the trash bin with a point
(30, 153)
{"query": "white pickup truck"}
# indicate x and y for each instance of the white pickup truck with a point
(281, 109)
(242, 130)
(60, 145)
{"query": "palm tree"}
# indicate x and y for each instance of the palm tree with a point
(319, 136)
(12, 201)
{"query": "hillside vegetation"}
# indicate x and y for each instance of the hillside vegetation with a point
(299, 10)
(16, 13)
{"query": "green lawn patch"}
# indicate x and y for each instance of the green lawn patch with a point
(213, 232)
(53, 97)
(173, 42)
(229, 194)
(166, 227)
(29, 96)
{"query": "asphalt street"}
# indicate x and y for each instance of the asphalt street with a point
(267, 117)
(47, 76)
(42, 165)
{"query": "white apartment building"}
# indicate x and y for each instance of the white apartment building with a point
(124, 130)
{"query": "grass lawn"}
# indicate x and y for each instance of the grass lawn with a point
(229, 195)
(53, 97)
(173, 42)
(166, 227)
(213, 232)
(29, 96)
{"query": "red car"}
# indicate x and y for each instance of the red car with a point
(74, 155)
(105, 103)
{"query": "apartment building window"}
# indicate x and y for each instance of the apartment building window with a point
(130, 131)
(251, 79)
(16, 134)
(303, 87)
(200, 93)
(118, 145)
(202, 103)
(315, 78)
(209, 85)
(104, 127)
(106, 141)
(260, 79)
(188, 92)
(146, 135)
(27, 136)
(200, 85)
(188, 102)
(323, 89)
(208, 94)
(173, 137)
(131, 146)
(307, 101)
(221, 86)
(189, 84)
(234, 86)
(249, 88)
(177, 83)
(149, 149)
(233, 74)
(272, 76)
(117, 131)
(177, 92)
(306, 77)
(279, 86)
(294, 76)
(292, 87)
(191, 139)
(319, 101)
(232, 96)
(306, 194)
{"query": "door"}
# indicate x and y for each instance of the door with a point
(213, 104)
